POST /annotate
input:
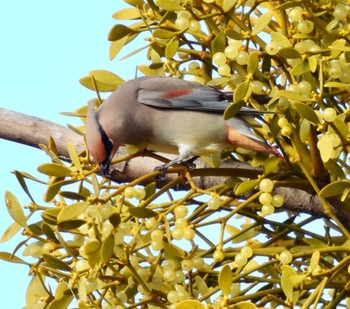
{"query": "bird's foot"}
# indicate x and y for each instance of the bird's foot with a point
(190, 163)
(162, 168)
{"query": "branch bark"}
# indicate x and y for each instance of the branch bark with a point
(33, 131)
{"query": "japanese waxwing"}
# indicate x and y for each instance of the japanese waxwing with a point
(167, 115)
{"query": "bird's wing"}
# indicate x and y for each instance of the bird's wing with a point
(173, 93)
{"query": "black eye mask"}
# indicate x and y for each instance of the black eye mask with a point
(108, 144)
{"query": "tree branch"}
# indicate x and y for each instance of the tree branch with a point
(32, 131)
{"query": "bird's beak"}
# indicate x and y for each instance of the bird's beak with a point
(108, 145)
(105, 167)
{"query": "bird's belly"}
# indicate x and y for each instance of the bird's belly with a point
(199, 133)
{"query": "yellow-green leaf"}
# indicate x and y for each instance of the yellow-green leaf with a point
(202, 285)
(293, 96)
(55, 263)
(49, 233)
(10, 232)
(173, 250)
(232, 229)
(312, 60)
(271, 165)
(306, 111)
(225, 280)
(218, 81)
(20, 177)
(35, 292)
(304, 131)
(286, 282)
(54, 187)
(297, 279)
(119, 31)
(8, 257)
(325, 146)
(246, 186)
(342, 126)
(62, 302)
(244, 305)
(141, 212)
(315, 243)
(69, 225)
(241, 91)
(315, 259)
(189, 304)
(289, 53)
(92, 247)
(262, 22)
(72, 195)
(249, 233)
(150, 189)
(50, 215)
(107, 248)
(219, 43)
(54, 169)
(72, 212)
(146, 70)
(281, 39)
(114, 49)
(233, 109)
(169, 5)
(340, 45)
(336, 85)
(228, 5)
(171, 48)
(233, 34)
(15, 210)
(127, 14)
(74, 156)
(334, 188)
(253, 63)
(105, 81)
(300, 68)
(164, 34)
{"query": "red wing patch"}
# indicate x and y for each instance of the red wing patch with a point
(176, 93)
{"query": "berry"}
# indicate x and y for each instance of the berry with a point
(247, 251)
(218, 255)
(329, 114)
(213, 203)
(265, 198)
(242, 57)
(277, 200)
(285, 257)
(240, 259)
(231, 52)
(272, 48)
(219, 59)
(182, 23)
(180, 211)
(266, 185)
(224, 70)
(268, 209)
(194, 26)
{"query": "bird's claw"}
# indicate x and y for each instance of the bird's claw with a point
(162, 168)
(162, 176)
(190, 165)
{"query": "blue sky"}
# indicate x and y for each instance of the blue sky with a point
(46, 47)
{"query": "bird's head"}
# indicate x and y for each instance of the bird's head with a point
(100, 146)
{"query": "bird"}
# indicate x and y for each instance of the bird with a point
(168, 115)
